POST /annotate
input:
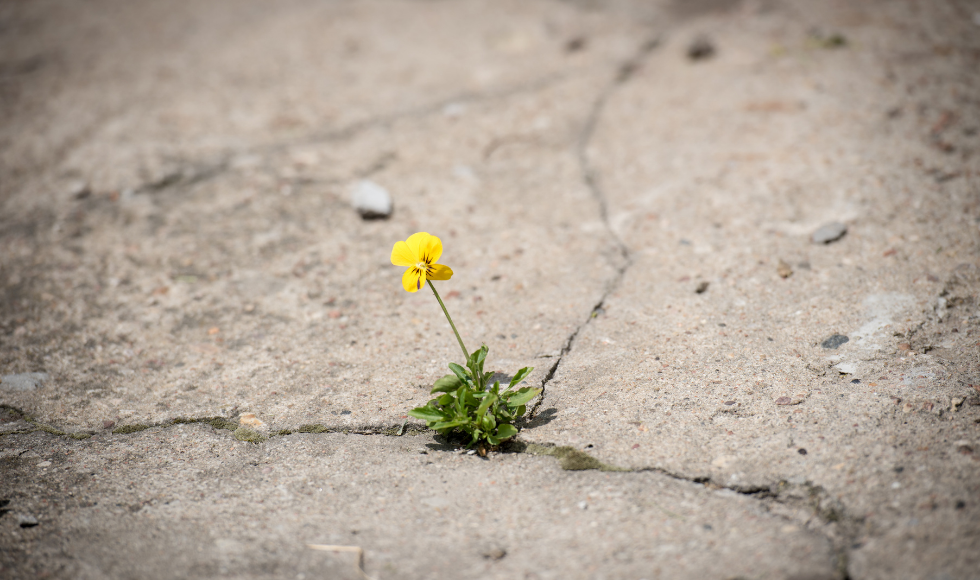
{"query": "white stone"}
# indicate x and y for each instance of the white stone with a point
(371, 200)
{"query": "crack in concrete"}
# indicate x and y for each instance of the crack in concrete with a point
(206, 171)
(573, 459)
(805, 495)
(590, 178)
(569, 458)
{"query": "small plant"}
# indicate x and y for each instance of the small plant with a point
(467, 402)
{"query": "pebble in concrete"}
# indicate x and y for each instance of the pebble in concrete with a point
(829, 233)
(834, 341)
(371, 200)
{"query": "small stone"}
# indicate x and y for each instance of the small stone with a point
(784, 270)
(495, 554)
(829, 232)
(79, 190)
(250, 420)
(108, 424)
(702, 288)
(784, 401)
(729, 402)
(23, 381)
(44, 464)
(345, 412)
(801, 451)
(701, 48)
(371, 200)
(26, 521)
(834, 341)
(575, 44)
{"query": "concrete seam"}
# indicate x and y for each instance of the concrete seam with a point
(590, 178)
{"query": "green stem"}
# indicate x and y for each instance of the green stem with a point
(466, 355)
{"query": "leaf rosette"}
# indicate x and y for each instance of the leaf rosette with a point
(464, 405)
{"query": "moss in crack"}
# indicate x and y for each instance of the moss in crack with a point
(246, 434)
(400, 430)
(126, 429)
(571, 459)
(315, 428)
(220, 423)
(79, 436)
(48, 429)
(283, 432)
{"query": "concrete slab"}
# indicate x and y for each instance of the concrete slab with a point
(627, 192)
(190, 502)
(252, 286)
(709, 360)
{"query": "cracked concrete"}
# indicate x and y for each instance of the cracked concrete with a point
(218, 331)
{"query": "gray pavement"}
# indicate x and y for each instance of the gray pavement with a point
(207, 358)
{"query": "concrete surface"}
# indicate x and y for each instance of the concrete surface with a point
(206, 357)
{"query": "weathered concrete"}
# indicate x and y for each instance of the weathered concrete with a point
(627, 212)
(193, 503)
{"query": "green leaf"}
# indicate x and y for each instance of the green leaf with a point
(427, 414)
(458, 403)
(475, 361)
(506, 431)
(484, 406)
(488, 423)
(446, 384)
(520, 376)
(480, 355)
(521, 396)
(493, 440)
(460, 372)
(446, 399)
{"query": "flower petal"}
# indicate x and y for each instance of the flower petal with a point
(401, 255)
(413, 279)
(414, 242)
(430, 248)
(439, 272)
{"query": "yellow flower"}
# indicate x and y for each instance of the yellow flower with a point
(419, 252)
